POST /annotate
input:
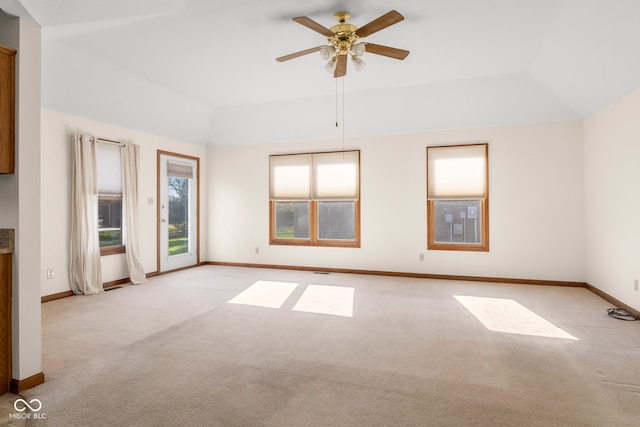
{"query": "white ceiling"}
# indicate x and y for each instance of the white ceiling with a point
(204, 71)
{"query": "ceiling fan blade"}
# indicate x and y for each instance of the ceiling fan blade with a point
(384, 21)
(310, 23)
(391, 52)
(341, 66)
(297, 54)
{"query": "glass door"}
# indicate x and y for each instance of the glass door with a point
(177, 211)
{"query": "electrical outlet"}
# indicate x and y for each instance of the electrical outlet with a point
(421, 257)
(50, 273)
(635, 285)
(257, 249)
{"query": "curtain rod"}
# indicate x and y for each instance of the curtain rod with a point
(108, 141)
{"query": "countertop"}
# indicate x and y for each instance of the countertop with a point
(7, 240)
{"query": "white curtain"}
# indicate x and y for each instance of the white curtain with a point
(85, 272)
(130, 166)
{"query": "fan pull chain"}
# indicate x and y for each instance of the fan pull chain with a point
(342, 112)
(337, 109)
(336, 102)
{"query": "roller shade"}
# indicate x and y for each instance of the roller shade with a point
(179, 170)
(336, 176)
(319, 176)
(457, 172)
(109, 167)
(290, 177)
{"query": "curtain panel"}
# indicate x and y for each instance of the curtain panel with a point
(85, 269)
(130, 167)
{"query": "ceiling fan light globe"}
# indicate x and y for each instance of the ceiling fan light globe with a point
(358, 63)
(359, 49)
(330, 67)
(327, 52)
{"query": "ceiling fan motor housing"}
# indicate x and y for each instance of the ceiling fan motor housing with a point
(344, 34)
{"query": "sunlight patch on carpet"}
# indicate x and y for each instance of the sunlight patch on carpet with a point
(264, 293)
(509, 316)
(333, 300)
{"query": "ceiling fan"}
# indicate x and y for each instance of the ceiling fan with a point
(344, 41)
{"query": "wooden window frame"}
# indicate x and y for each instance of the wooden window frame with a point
(483, 246)
(115, 249)
(112, 250)
(313, 239)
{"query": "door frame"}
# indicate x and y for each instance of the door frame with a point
(160, 153)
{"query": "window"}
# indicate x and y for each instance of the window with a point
(179, 180)
(315, 199)
(458, 197)
(109, 198)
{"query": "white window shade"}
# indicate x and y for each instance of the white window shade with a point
(290, 177)
(109, 168)
(336, 176)
(457, 172)
(179, 170)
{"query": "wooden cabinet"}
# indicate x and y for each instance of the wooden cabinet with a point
(5, 322)
(7, 109)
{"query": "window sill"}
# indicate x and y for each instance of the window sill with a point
(328, 243)
(112, 250)
(457, 247)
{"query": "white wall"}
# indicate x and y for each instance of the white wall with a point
(9, 36)
(536, 205)
(612, 177)
(22, 210)
(56, 131)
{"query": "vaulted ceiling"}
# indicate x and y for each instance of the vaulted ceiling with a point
(204, 71)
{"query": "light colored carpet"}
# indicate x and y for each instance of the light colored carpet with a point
(174, 352)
